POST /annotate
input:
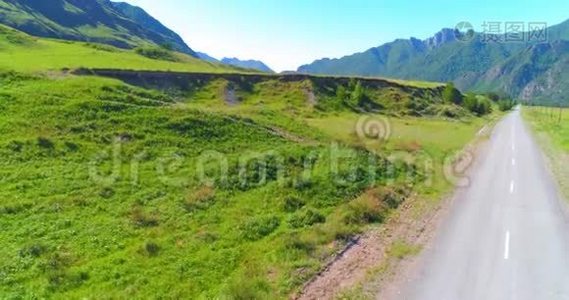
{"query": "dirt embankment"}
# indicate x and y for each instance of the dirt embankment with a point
(189, 81)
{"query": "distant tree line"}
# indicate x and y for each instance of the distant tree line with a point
(477, 104)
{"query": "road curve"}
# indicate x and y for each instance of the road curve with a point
(507, 234)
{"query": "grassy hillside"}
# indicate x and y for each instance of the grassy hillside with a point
(100, 21)
(212, 184)
(102, 192)
(22, 52)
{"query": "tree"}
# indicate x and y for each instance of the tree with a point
(452, 95)
(493, 96)
(470, 102)
(506, 104)
(477, 105)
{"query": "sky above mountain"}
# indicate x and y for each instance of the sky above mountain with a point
(287, 34)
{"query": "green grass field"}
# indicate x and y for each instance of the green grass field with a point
(115, 190)
(156, 228)
(551, 126)
(24, 53)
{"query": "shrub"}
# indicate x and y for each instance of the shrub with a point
(365, 209)
(107, 193)
(373, 206)
(295, 241)
(71, 146)
(142, 219)
(258, 228)
(292, 204)
(151, 248)
(476, 105)
(35, 250)
(356, 97)
(16, 146)
(200, 199)
(156, 53)
(493, 96)
(306, 218)
(102, 47)
(452, 95)
(248, 287)
(506, 104)
(45, 143)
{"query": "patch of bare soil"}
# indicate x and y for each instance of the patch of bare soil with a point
(353, 265)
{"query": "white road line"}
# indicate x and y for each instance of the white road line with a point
(507, 246)
(513, 161)
(512, 187)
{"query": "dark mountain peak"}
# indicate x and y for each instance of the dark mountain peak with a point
(446, 35)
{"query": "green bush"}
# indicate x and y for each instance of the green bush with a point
(35, 250)
(142, 219)
(306, 218)
(477, 105)
(294, 242)
(292, 204)
(356, 97)
(156, 53)
(452, 95)
(248, 287)
(259, 228)
(151, 248)
(45, 143)
(506, 104)
(363, 210)
(200, 199)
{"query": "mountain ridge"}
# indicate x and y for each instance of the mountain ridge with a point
(470, 61)
(248, 64)
(102, 21)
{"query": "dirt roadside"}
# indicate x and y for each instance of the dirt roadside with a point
(369, 268)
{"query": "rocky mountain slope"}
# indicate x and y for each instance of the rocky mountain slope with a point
(530, 70)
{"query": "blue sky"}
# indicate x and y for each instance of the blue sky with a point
(288, 33)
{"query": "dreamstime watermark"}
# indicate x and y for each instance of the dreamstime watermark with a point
(456, 166)
(373, 127)
(336, 163)
(504, 32)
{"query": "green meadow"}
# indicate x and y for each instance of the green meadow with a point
(218, 192)
(25, 53)
(551, 128)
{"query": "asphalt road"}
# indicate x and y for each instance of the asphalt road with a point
(507, 233)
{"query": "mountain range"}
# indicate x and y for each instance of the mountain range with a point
(530, 70)
(247, 64)
(527, 70)
(101, 21)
